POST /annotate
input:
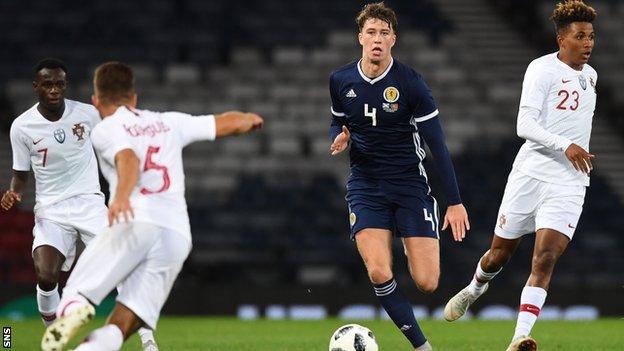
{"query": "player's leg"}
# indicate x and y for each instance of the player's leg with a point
(516, 217)
(121, 324)
(90, 218)
(53, 243)
(143, 293)
(556, 220)
(492, 262)
(375, 248)
(549, 246)
(48, 262)
(423, 257)
(107, 260)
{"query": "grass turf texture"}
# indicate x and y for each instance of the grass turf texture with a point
(228, 334)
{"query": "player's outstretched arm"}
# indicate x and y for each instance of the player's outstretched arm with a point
(127, 165)
(236, 122)
(340, 142)
(14, 194)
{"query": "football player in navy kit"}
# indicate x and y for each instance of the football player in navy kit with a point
(385, 112)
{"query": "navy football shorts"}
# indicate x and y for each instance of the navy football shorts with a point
(401, 206)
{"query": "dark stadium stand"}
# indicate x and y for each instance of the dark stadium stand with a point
(270, 209)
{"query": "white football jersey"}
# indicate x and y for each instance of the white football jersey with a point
(566, 99)
(60, 153)
(157, 140)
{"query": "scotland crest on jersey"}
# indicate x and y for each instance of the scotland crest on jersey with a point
(391, 94)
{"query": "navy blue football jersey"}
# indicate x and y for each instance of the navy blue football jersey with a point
(382, 116)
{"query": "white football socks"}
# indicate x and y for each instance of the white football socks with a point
(481, 278)
(531, 302)
(47, 302)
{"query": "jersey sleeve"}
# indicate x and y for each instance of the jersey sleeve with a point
(336, 104)
(192, 128)
(535, 87)
(21, 152)
(423, 104)
(109, 139)
(338, 116)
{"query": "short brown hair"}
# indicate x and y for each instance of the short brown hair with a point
(377, 10)
(114, 82)
(571, 11)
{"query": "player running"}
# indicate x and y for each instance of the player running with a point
(383, 108)
(546, 187)
(53, 138)
(149, 238)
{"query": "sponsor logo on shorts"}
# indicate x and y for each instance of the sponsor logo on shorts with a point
(571, 226)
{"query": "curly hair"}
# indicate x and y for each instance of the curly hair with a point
(377, 10)
(571, 11)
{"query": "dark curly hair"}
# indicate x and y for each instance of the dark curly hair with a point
(571, 11)
(377, 10)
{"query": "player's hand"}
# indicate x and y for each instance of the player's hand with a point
(581, 159)
(457, 218)
(9, 198)
(119, 207)
(252, 122)
(341, 142)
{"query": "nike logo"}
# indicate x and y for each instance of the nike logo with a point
(565, 81)
(37, 142)
(570, 226)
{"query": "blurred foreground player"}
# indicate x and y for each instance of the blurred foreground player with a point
(149, 237)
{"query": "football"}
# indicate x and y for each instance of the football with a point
(353, 337)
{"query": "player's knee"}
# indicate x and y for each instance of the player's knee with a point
(428, 285)
(47, 278)
(544, 261)
(379, 274)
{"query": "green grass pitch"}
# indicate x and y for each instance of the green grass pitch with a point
(229, 334)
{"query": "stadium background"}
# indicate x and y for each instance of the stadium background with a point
(267, 211)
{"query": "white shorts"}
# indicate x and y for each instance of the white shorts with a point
(61, 224)
(141, 259)
(530, 204)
